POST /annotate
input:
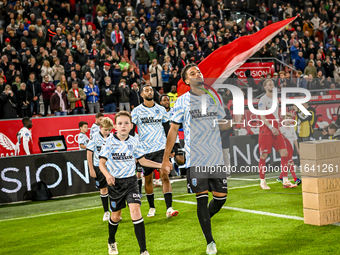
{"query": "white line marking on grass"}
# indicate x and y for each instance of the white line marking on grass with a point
(247, 210)
(291, 217)
(47, 214)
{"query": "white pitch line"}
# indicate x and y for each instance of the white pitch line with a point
(47, 214)
(247, 210)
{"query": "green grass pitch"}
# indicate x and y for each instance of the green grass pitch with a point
(73, 225)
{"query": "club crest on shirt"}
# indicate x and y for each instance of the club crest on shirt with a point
(130, 147)
(211, 100)
(157, 111)
(194, 182)
(113, 204)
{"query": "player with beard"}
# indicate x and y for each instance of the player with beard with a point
(270, 136)
(153, 125)
(203, 147)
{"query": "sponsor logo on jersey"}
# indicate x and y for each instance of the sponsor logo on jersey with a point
(150, 120)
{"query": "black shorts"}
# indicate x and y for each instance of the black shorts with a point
(197, 185)
(139, 168)
(124, 190)
(100, 179)
(156, 156)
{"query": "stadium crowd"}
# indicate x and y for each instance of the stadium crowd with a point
(92, 55)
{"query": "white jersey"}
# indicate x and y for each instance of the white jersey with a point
(149, 121)
(95, 145)
(203, 146)
(266, 103)
(289, 133)
(82, 140)
(23, 146)
(94, 129)
(121, 156)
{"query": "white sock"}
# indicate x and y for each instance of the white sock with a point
(263, 181)
(285, 179)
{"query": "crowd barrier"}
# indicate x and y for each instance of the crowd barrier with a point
(65, 173)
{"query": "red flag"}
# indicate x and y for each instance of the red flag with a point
(227, 59)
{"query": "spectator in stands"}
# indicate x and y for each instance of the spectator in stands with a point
(58, 71)
(9, 103)
(300, 81)
(109, 95)
(329, 67)
(117, 38)
(64, 84)
(47, 89)
(116, 74)
(123, 64)
(156, 75)
(47, 70)
(76, 96)
(135, 97)
(34, 88)
(165, 78)
(95, 73)
(300, 62)
(92, 92)
(58, 102)
(152, 54)
(174, 78)
(310, 69)
(24, 98)
(142, 57)
(124, 96)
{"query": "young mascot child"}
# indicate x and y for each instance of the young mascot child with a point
(93, 148)
(117, 163)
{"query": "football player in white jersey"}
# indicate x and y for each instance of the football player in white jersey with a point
(153, 123)
(93, 148)
(82, 137)
(24, 144)
(118, 163)
(96, 126)
(203, 147)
